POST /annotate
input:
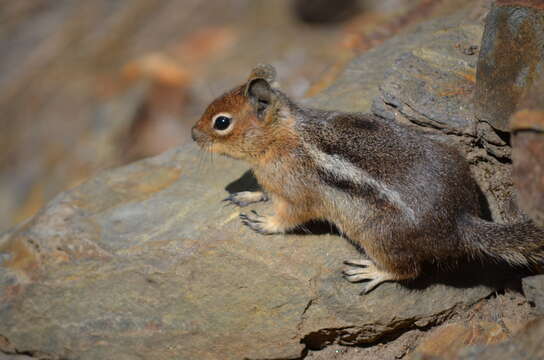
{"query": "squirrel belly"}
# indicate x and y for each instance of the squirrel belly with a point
(403, 198)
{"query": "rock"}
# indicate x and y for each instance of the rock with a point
(431, 84)
(433, 87)
(358, 86)
(144, 261)
(491, 321)
(528, 173)
(527, 345)
(533, 287)
(445, 342)
(528, 151)
(510, 58)
(15, 357)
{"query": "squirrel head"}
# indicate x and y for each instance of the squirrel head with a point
(241, 122)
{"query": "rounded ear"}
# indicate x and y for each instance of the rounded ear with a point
(259, 88)
(263, 71)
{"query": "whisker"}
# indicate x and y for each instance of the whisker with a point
(304, 229)
(212, 152)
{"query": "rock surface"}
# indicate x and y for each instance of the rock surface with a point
(533, 287)
(509, 95)
(144, 261)
(528, 151)
(527, 345)
(432, 84)
(511, 56)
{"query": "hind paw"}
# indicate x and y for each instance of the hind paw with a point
(366, 270)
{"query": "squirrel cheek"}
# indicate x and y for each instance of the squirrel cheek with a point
(252, 133)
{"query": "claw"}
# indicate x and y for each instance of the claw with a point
(256, 223)
(245, 198)
(366, 270)
(246, 219)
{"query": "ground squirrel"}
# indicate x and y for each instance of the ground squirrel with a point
(402, 197)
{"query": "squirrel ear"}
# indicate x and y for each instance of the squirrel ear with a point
(260, 94)
(259, 88)
(264, 71)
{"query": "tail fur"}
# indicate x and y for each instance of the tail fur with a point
(517, 244)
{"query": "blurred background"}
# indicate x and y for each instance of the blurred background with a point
(90, 85)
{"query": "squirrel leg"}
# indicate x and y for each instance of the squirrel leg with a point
(363, 269)
(244, 198)
(286, 217)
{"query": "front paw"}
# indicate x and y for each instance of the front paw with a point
(262, 224)
(244, 198)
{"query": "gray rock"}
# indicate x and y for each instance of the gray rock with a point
(526, 345)
(432, 85)
(144, 261)
(359, 84)
(533, 287)
(528, 151)
(511, 56)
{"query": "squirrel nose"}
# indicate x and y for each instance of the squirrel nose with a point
(195, 133)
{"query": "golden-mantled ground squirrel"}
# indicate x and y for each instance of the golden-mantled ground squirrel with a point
(403, 198)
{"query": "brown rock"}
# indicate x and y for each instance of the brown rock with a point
(526, 345)
(528, 151)
(533, 287)
(143, 261)
(511, 56)
(446, 341)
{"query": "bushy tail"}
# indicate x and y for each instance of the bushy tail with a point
(517, 244)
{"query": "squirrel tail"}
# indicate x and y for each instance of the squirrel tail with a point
(520, 244)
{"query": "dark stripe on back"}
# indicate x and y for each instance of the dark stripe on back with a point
(366, 191)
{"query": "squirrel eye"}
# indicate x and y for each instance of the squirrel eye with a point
(222, 122)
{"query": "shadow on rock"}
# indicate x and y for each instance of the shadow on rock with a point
(498, 276)
(247, 182)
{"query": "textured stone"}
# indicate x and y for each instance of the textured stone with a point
(512, 54)
(533, 287)
(526, 345)
(144, 261)
(528, 157)
(432, 85)
(359, 84)
(528, 151)
(446, 341)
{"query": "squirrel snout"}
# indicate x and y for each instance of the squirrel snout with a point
(195, 133)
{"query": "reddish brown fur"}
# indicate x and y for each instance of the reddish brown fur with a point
(251, 139)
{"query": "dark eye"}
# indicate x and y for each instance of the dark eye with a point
(221, 122)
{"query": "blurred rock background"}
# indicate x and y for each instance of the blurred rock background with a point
(86, 86)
